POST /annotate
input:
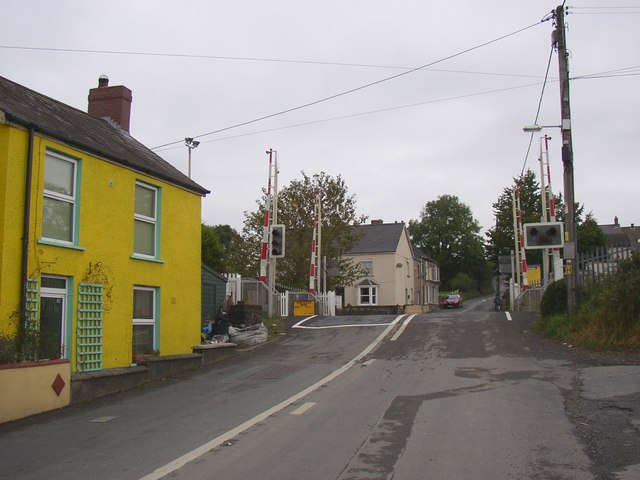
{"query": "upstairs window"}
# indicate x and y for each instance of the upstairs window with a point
(367, 267)
(145, 241)
(60, 199)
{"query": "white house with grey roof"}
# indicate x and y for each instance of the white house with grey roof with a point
(397, 274)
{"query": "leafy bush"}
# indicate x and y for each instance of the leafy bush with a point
(8, 350)
(608, 315)
(554, 299)
(462, 282)
(558, 326)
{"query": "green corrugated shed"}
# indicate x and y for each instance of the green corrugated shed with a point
(214, 292)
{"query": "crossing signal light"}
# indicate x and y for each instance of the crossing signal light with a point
(277, 241)
(543, 235)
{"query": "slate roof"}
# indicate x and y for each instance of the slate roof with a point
(80, 130)
(377, 238)
(621, 236)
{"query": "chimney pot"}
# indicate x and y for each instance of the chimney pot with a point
(103, 81)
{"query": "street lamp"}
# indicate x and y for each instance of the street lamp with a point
(191, 144)
(537, 128)
(571, 240)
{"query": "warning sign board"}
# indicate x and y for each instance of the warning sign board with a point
(304, 308)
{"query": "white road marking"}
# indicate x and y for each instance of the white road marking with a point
(327, 327)
(368, 362)
(180, 462)
(508, 316)
(401, 329)
(303, 408)
(103, 419)
(297, 325)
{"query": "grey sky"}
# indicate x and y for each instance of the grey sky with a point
(453, 128)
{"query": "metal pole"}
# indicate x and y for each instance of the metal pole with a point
(516, 238)
(571, 241)
(189, 160)
(544, 217)
(319, 252)
(272, 262)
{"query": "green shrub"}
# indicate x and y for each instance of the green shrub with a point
(554, 299)
(558, 327)
(462, 282)
(609, 313)
(274, 325)
(8, 350)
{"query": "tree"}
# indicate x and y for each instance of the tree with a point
(296, 212)
(501, 238)
(448, 233)
(590, 235)
(212, 249)
(224, 250)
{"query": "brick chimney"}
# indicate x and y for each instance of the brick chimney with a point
(113, 103)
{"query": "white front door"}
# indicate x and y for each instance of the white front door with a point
(53, 318)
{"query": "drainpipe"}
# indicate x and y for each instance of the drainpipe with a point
(25, 231)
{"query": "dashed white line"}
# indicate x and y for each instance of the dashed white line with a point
(303, 408)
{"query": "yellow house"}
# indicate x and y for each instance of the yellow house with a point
(99, 236)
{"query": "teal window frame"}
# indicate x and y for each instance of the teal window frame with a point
(153, 321)
(73, 200)
(148, 220)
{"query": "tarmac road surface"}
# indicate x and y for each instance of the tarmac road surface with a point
(464, 394)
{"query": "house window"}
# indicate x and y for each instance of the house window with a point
(367, 267)
(368, 295)
(60, 198)
(145, 241)
(145, 316)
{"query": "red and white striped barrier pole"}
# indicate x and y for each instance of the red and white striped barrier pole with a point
(264, 253)
(523, 257)
(312, 267)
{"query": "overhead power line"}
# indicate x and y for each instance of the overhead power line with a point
(360, 114)
(353, 90)
(255, 59)
(535, 122)
(619, 72)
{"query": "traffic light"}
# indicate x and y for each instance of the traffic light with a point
(543, 235)
(277, 241)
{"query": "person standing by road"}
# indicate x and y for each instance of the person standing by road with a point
(497, 302)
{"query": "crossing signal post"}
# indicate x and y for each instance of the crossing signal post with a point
(277, 241)
(543, 235)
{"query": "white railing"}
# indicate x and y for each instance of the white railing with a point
(327, 304)
(234, 286)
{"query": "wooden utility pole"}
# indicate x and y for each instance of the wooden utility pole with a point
(571, 243)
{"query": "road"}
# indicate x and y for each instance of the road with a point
(455, 394)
